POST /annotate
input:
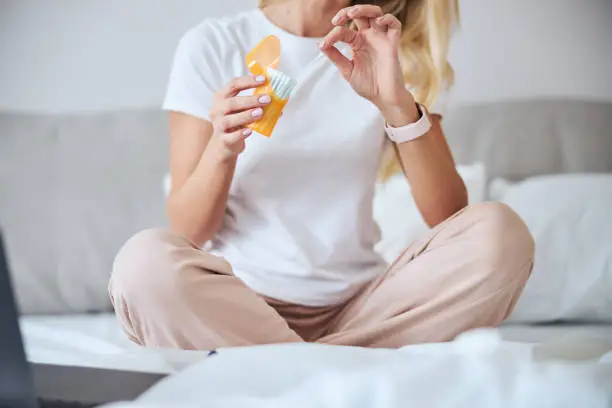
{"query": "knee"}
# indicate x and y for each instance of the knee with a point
(143, 268)
(507, 230)
(507, 245)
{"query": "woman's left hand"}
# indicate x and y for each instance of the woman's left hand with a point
(374, 72)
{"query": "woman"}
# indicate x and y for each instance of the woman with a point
(288, 220)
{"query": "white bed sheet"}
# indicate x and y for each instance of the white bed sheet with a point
(96, 340)
(477, 371)
(507, 367)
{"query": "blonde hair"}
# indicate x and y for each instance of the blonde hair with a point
(426, 31)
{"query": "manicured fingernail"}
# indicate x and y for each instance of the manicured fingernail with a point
(247, 131)
(257, 112)
(354, 9)
(264, 99)
(260, 78)
(335, 19)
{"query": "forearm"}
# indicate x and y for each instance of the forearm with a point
(196, 210)
(436, 187)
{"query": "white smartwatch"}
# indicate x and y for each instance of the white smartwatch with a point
(412, 130)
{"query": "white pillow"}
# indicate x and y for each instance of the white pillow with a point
(399, 219)
(570, 217)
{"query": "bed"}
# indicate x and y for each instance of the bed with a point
(110, 165)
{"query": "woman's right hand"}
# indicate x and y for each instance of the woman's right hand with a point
(231, 113)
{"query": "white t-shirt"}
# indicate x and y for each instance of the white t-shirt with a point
(298, 225)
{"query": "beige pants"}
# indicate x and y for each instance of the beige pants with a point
(468, 272)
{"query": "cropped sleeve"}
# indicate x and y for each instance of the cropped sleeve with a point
(194, 76)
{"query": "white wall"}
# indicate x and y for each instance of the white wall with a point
(69, 55)
(65, 55)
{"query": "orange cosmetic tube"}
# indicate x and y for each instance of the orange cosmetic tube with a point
(262, 58)
(271, 112)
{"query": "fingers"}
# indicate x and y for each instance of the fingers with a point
(391, 24)
(362, 23)
(368, 15)
(232, 130)
(345, 65)
(232, 122)
(364, 11)
(239, 84)
(231, 113)
(337, 34)
(240, 103)
(342, 17)
(237, 136)
(232, 143)
(340, 34)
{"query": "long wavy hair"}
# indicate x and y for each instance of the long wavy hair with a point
(427, 26)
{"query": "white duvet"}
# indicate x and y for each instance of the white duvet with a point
(514, 366)
(477, 370)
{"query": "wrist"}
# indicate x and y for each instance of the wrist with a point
(219, 154)
(400, 112)
(404, 125)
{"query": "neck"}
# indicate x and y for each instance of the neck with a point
(304, 18)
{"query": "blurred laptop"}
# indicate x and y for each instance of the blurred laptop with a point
(33, 385)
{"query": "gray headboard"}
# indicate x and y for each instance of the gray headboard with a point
(74, 187)
(528, 138)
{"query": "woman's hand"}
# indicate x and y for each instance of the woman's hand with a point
(231, 113)
(374, 72)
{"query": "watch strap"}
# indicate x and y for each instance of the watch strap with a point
(410, 131)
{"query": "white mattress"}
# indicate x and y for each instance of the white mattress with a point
(97, 340)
